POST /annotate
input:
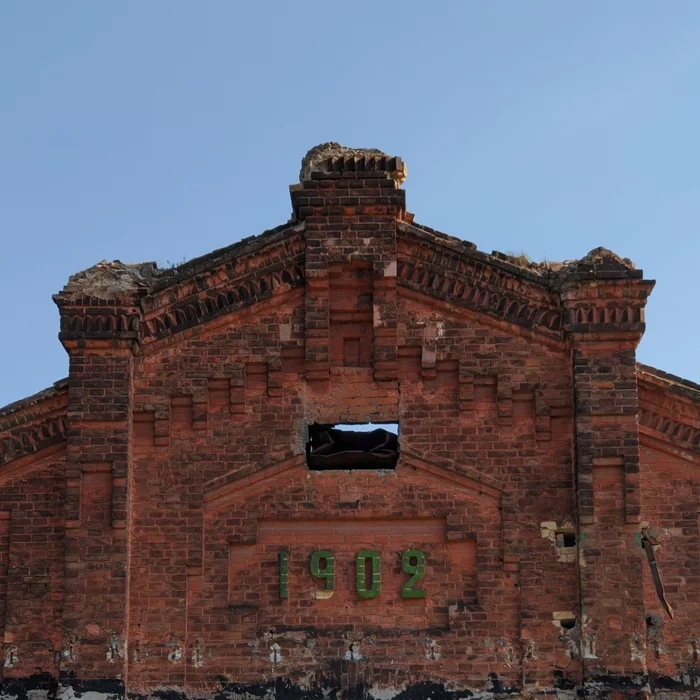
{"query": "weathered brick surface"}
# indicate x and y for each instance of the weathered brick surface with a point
(158, 518)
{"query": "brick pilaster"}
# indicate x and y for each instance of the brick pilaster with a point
(605, 299)
(98, 460)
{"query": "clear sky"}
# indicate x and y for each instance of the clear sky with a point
(161, 130)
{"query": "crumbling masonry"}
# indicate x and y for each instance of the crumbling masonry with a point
(166, 531)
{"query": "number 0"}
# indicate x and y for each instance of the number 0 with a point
(375, 573)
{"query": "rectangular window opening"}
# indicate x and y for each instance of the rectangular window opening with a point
(566, 538)
(346, 446)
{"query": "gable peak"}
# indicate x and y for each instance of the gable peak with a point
(334, 157)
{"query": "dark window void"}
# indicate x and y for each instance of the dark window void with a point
(566, 539)
(365, 446)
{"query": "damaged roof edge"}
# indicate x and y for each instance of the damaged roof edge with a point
(599, 263)
(674, 383)
(110, 280)
(221, 255)
(55, 389)
(469, 249)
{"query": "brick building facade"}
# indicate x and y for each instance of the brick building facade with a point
(177, 517)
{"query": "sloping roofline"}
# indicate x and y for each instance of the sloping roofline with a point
(672, 383)
(55, 389)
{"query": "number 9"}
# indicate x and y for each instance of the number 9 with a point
(327, 573)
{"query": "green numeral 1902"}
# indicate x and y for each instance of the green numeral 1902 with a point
(368, 573)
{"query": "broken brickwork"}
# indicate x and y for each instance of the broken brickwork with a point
(165, 530)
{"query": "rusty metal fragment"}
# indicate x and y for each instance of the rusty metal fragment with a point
(656, 575)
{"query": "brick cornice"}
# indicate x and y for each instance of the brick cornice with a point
(669, 384)
(203, 289)
(30, 426)
(35, 406)
(454, 271)
(669, 410)
(230, 286)
(33, 437)
(664, 427)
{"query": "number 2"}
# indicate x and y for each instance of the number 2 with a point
(417, 571)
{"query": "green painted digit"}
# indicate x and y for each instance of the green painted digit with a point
(361, 573)
(413, 562)
(284, 575)
(327, 573)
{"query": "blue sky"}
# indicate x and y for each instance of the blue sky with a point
(161, 130)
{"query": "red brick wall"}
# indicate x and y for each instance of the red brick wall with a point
(151, 555)
(32, 568)
(185, 592)
(670, 498)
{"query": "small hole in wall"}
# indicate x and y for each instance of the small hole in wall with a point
(352, 446)
(566, 539)
(568, 623)
(653, 622)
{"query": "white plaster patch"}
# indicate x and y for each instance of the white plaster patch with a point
(353, 652)
(66, 692)
(68, 652)
(275, 653)
(432, 651)
(588, 639)
(37, 694)
(530, 651)
(637, 650)
(198, 654)
(11, 656)
(555, 533)
(115, 649)
(293, 636)
(386, 693)
(548, 530)
(559, 615)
